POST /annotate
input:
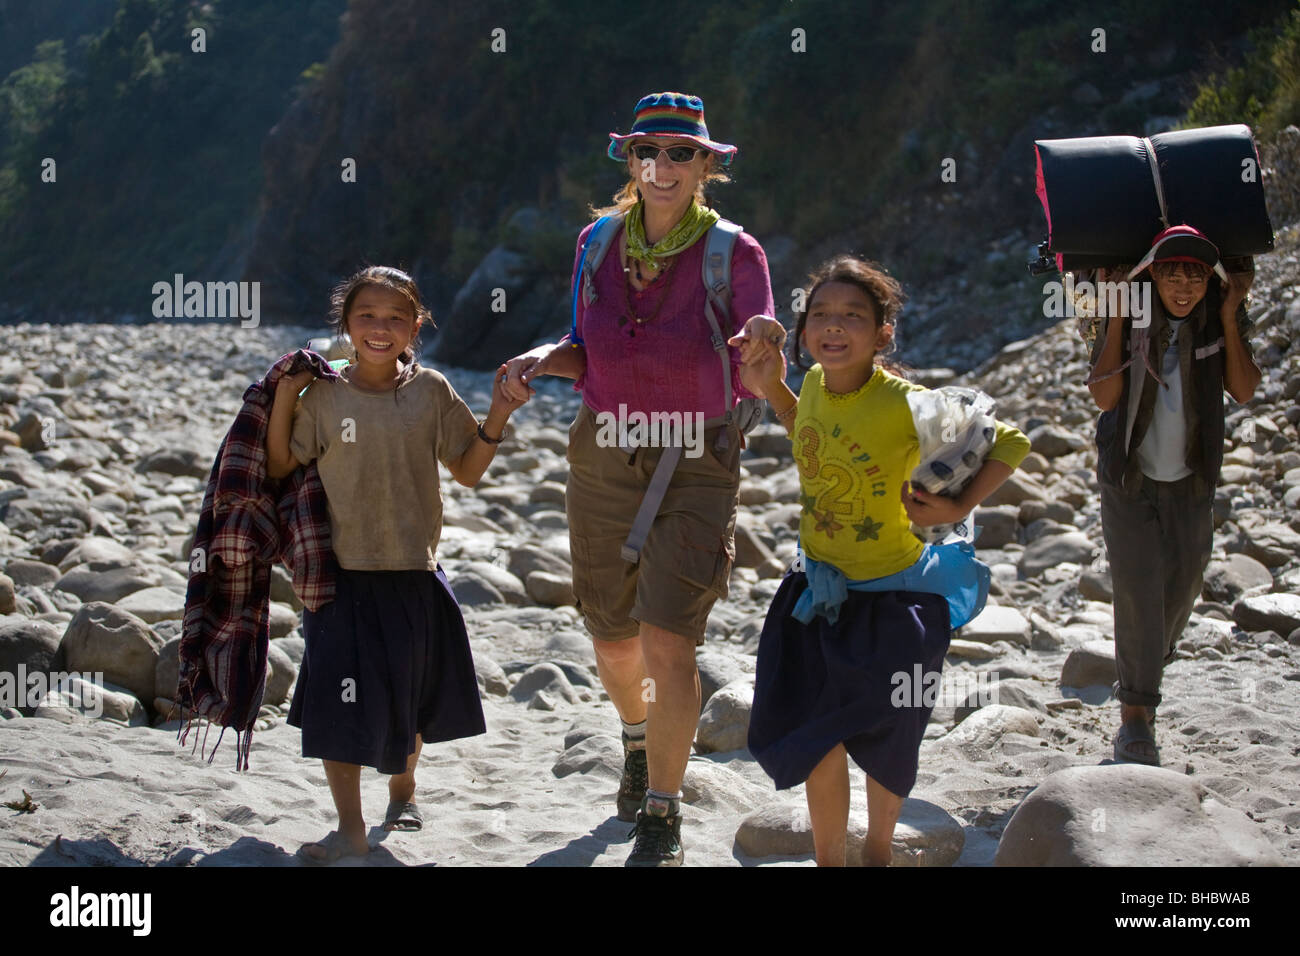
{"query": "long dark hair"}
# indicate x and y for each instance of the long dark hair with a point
(877, 284)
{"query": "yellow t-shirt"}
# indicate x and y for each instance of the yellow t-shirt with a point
(377, 454)
(854, 452)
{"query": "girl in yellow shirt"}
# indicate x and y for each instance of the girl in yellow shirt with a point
(827, 689)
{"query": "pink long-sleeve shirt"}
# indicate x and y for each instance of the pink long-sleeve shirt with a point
(669, 365)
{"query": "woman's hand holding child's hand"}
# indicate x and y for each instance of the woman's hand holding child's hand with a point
(926, 509)
(762, 361)
(506, 399)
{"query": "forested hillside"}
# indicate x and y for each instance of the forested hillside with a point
(230, 163)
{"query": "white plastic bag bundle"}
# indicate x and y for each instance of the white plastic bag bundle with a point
(955, 428)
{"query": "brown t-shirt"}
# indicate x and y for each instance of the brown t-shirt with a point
(378, 454)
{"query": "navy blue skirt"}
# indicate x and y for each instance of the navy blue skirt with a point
(386, 659)
(820, 684)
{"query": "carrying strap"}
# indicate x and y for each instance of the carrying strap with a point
(654, 497)
(716, 274)
(593, 254)
(1154, 164)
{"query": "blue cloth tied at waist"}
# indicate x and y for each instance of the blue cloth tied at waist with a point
(951, 570)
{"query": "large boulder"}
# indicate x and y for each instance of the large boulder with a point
(283, 619)
(751, 552)
(471, 590)
(600, 753)
(167, 670)
(33, 644)
(985, 727)
(547, 678)
(23, 571)
(1129, 815)
(1019, 487)
(281, 672)
(104, 639)
(1272, 544)
(105, 701)
(925, 835)
(1095, 585)
(1226, 579)
(152, 605)
(1053, 441)
(1091, 663)
(506, 584)
(176, 461)
(998, 526)
(510, 300)
(724, 724)
(1053, 549)
(716, 671)
(491, 678)
(1021, 692)
(524, 559)
(107, 581)
(997, 623)
(94, 550)
(551, 590)
(1268, 612)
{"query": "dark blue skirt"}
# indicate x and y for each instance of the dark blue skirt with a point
(386, 659)
(820, 684)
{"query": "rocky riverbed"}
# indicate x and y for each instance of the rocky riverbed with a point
(107, 434)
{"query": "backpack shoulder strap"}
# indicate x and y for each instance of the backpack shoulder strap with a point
(599, 240)
(594, 249)
(720, 243)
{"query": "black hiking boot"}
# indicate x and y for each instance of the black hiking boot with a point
(658, 840)
(631, 789)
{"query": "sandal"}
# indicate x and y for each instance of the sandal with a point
(402, 816)
(335, 849)
(1133, 733)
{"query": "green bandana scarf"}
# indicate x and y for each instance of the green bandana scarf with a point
(695, 223)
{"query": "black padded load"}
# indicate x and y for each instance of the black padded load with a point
(1102, 205)
(1202, 171)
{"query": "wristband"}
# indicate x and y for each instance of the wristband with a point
(491, 441)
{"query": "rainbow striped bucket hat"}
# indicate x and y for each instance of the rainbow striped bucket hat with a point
(671, 114)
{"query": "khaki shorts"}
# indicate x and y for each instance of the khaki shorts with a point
(686, 560)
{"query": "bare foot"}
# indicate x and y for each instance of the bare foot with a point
(335, 846)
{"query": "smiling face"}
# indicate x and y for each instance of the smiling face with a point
(842, 332)
(673, 184)
(1181, 285)
(381, 323)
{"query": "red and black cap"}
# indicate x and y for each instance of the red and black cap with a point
(1182, 244)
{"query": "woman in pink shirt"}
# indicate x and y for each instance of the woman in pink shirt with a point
(643, 353)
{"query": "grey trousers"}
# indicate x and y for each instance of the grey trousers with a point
(1158, 545)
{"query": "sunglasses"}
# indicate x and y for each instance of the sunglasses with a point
(676, 154)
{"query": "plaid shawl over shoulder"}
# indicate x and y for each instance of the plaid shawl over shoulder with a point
(246, 523)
